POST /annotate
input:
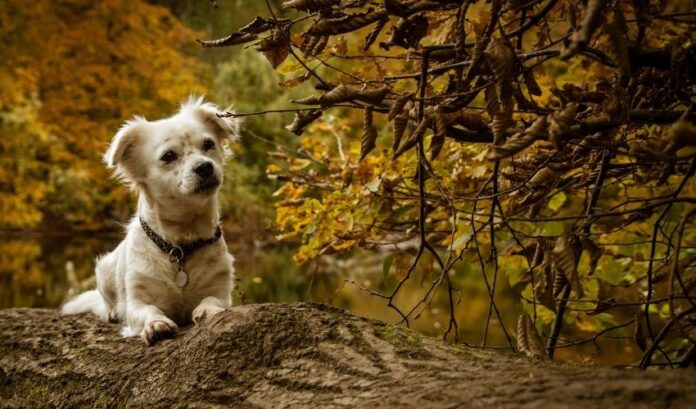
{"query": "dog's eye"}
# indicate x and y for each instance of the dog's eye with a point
(208, 144)
(168, 156)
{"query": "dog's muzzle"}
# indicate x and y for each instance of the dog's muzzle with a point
(206, 181)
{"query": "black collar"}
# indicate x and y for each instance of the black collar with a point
(178, 253)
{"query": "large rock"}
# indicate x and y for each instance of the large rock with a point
(297, 355)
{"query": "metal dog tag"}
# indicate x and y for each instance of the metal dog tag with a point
(181, 277)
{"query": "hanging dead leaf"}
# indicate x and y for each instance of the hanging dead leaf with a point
(398, 127)
(501, 59)
(369, 136)
(309, 5)
(374, 33)
(545, 178)
(566, 255)
(438, 139)
(528, 340)
(345, 24)
(407, 32)
(319, 46)
(308, 43)
(294, 81)
(302, 119)
(559, 282)
(344, 93)
(618, 41)
(276, 47)
(531, 83)
(520, 140)
(581, 37)
(398, 105)
(499, 103)
(244, 34)
(543, 286)
(413, 139)
(560, 123)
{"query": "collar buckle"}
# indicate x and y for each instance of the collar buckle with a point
(176, 254)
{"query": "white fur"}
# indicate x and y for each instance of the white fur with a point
(136, 282)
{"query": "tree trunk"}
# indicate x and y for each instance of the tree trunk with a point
(296, 355)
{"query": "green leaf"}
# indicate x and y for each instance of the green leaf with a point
(557, 201)
(611, 271)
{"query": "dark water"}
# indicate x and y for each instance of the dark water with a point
(44, 271)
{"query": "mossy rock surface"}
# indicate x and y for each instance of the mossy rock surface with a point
(300, 355)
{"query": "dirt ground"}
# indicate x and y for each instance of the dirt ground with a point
(297, 356)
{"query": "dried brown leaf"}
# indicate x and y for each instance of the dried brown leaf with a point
(560, 123)
(294, 81)
(344, 93)
(309, 5)
(519, 141)
(302, 119)
(398, 126)
(276, 47)
(319, 46)
(369, 136)
(501, 59)
(438, 139)
(244, 34)
(559, 281)
(582, 35)
(407, 32)
(566, 255)
(398, 105)
(543, 286)
(308, 43)
(545, 177)
(374, 33)
(345, 24)
(528, 340)
(413, 139)
(531, 83)
(618, 41)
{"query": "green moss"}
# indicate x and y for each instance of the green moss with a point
(464, 352)
(397, 336)
(101, 402)
(67, 366)
(39, 394)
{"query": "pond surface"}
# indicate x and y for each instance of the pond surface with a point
(43, 271)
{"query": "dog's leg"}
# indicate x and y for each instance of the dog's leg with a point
(150, 322)
(209, 307)
(105, 272)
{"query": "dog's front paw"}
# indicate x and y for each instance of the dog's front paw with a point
(202, 313)
(158, 330)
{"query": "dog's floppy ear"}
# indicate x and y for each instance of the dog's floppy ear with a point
(225, 128)
(121, 147)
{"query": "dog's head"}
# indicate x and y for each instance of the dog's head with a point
(180, 157)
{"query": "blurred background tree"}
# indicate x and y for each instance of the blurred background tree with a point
(71, 72)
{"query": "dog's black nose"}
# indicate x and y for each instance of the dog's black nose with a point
(204, 169)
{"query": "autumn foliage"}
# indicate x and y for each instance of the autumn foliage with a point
(70, 73)
(548, 143)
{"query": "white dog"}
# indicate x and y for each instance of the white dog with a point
(173, 266)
